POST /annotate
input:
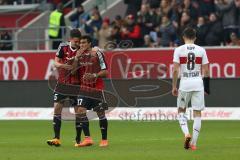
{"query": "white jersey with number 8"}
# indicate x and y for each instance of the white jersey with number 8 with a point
(191, 57)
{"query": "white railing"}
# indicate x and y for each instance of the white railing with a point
(40, 42)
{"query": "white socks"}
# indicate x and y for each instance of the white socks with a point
(183, 123)
(196, 130)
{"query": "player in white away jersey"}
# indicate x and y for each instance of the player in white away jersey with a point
(191, 60)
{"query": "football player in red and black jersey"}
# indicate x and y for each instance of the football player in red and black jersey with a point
(63, 62)
(92, 68)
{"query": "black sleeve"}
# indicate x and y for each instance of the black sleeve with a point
(60, 51)
(206, 83)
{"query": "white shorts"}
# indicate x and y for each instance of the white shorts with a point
(196, 98)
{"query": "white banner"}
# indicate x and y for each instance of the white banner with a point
(126, 113)
(26, 113)
(167, 113)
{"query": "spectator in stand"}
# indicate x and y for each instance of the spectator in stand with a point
(201, 29)
(95, 11)
(133, 6)
(132, 31)
(176, 13)
(148, 42)
(56, 26)
(85, 28)
(185, 21)
(155, 17)
(192, 8)
(166, 8)
(92, 28)
(95, 24)
(76, 16)
(167, 32)
(228, 10)
(115, 34)
(237, 3)
(215, 30)
(104, 33)
(206, 7)
(234, 40)
(153, 3)
(118, 21)
(5, 40)
(176, 10)
(144, 19)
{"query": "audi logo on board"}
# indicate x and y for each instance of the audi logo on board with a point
(15, 68)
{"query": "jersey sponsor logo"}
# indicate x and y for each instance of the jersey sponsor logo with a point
(191, 74)
(85, 63)
(11, 68)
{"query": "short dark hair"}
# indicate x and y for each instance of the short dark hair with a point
(189, 33)
(75, 33)
(60, 7)
(87, 37)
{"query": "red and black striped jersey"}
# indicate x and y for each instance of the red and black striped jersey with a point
(66, 53)
(92, 62)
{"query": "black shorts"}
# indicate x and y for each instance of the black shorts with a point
(58, 97)
(88, 103)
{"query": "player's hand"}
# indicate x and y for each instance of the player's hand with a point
(89, 76)
(80, 52)
(67, 66)
(175, 92)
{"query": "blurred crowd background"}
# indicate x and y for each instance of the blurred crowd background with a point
(157, 23)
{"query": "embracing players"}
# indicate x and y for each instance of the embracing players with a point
(92, 67)
(192, 60)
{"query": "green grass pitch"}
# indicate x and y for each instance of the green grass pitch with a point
(129, 140)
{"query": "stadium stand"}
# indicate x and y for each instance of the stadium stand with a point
(4, 19)
(161, 22)
(152, 23)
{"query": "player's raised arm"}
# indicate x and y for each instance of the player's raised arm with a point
(58, 63)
